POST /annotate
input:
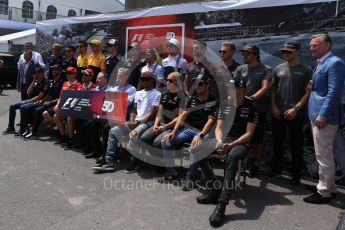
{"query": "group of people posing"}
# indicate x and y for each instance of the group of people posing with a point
(212, 108)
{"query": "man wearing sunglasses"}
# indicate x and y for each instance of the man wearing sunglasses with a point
(226, 52)
(198, 117)
(258, 77)
(146, 103)
(82, 58)
(54, 59)
(112, 59)
(96, 60)
(289, 95)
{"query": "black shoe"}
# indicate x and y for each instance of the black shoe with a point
(100, 160)
(313, 189)
(8, 131)
(295, 183)
(272, 174)
(30, 136)
(77, 145)
(188, 184)
(217, 217)
(107, 167)
(252, 171)
(69, 144)
(207, 198)
(132, 167)
(60, 140)
(317, 198)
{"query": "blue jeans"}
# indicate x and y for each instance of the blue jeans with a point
(182, 136)
(120, 133)
(26, 114)
(12, 114)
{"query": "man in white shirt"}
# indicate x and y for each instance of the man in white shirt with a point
(36, 57)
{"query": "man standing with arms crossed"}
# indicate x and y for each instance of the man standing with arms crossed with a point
(325, 113)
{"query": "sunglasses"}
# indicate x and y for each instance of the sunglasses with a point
(286, 52)
(110, 46)
(247, 53)
(222, 51)
(145, 79)
(170, 80)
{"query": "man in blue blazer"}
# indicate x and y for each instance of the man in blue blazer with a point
(25, 74)
(325, 113)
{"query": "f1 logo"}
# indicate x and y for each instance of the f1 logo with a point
(70, 103)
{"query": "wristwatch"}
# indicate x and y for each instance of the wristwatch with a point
(201, 135)
(297, 108)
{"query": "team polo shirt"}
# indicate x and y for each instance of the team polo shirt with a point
(87, 87)
(171, 103)
(174, 64)
(82, 61)
(54, 89)
(67, 86)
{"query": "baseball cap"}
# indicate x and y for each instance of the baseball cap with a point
(148, 74)
(71, 69)
(150, 52)
(95, 42)
(251, 48)
(88, 72)
(291, 45)
(175, 42)
(113, 42)
(39, 68)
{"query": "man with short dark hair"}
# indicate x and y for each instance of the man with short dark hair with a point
(154, 67)
(289, 95)
(68, 60)
(25, 74)
(325, 112)
(82, 58)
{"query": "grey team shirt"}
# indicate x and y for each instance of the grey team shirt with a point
(290, 83)
(254, 77)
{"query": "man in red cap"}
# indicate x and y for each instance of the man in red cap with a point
(71, 84)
